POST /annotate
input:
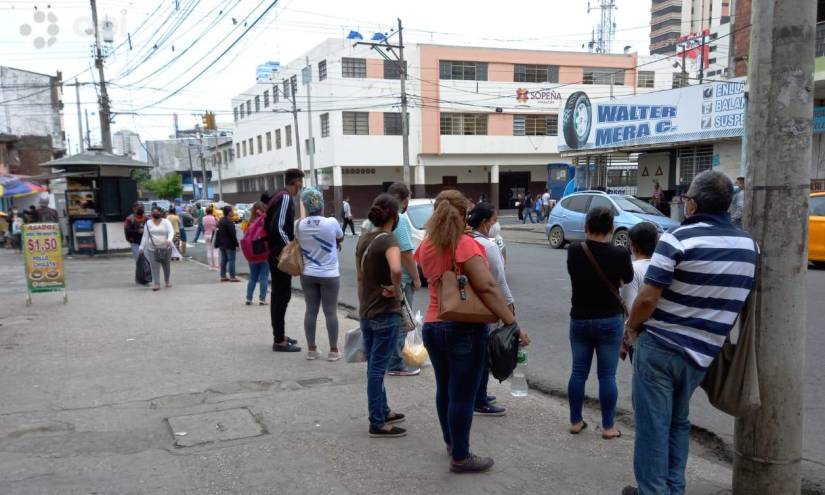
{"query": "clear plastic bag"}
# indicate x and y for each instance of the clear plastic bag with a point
(414, 353)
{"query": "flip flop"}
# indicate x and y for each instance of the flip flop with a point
(584, 426)
(617, 435)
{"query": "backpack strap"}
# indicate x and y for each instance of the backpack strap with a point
(367, 250)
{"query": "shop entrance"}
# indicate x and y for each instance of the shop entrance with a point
(510, 185)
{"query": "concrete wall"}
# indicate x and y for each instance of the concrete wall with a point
(730, 157)
(33, 106)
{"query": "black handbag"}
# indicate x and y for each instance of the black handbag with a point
(502, 348)
(161, 254)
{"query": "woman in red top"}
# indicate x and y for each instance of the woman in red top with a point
(457, 350)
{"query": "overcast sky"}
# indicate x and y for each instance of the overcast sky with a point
(143, 75)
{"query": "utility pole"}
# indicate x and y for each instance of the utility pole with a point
(88, 134)
(191, 173)
(105, 132)
(79, 116)
(384, 47)
(307, 80)
(768, 443)
(293, 88)
(205, 193)
(218, 165)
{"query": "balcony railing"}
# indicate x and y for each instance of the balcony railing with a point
(820, 39)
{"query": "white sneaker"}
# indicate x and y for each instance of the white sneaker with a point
(313, 355)
(333, 356)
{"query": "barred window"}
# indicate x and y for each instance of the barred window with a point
(354, 67)
(274, 93)
(251, 147)
(324, 125)
(535, 125)
(462, 71)
(257, 103)
(235, 113)
(535, 73)
(603, 75)
(693, 161)
(647, 79)
(244, 147)
(260, 144)
(269, 141)
(277, 139)
(322, 70)
(241, 110)
(680, 80)
(356, 123)
(249, 107)
(392, 124)
(392, 69)
(237, 149)
(464, 124)
(286, 89)
(288, 133)
(266, 99)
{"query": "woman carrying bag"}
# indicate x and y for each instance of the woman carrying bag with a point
(156, 242)
(458, 347)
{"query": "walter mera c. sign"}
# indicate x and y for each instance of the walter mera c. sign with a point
(709, 111)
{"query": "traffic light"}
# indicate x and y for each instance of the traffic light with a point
(208, 120)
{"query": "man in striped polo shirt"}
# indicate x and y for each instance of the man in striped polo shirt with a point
(695, 288)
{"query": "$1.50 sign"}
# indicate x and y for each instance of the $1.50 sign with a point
(43, 253)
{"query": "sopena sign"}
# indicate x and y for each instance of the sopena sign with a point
(709, 111)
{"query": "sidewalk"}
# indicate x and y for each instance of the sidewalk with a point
(128, 391)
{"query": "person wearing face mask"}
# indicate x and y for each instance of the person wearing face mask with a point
(483, 218)
(158, 234)
(133, 228)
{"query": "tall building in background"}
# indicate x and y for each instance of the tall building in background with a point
(672, 19)
(127, 143)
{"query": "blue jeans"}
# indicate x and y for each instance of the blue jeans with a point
(258, 274)
(528, 214)
(380, 335)
(228, 261)
(135, 249)
(604, 336)
(198, 232)
(457, 351)
(664, 379)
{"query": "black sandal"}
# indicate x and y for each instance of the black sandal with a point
(584, 426)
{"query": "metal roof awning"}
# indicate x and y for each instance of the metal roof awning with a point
(61, 175)
(94, 158)
(643, 147)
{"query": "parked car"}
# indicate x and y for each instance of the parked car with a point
(218, 211)
(566, 221)
(243, 210)
(816, 229)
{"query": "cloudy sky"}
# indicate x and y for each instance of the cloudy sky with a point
(173, 40)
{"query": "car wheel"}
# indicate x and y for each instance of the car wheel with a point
(621, 238)
(577, 120)
(556, 237)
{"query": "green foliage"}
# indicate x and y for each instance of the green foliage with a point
(168, 187)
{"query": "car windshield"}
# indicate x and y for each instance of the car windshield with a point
(635, 205)
(419, 214)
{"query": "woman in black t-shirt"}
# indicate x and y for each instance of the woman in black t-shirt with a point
(596, 318)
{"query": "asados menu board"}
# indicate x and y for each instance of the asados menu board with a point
(43, 253)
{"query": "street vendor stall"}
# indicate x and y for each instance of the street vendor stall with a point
(99, 194)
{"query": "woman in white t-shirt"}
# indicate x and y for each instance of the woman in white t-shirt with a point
(643, 239)
(158, 234)
(320, 239)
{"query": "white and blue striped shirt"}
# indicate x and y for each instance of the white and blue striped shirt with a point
(706, 268)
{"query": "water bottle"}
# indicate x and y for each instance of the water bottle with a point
(518, 382)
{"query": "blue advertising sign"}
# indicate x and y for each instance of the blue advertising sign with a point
(819, 120)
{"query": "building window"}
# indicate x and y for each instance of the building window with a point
(535, 125)
(535, 73)
(277, 139)
(392, 69)
(692, 161)
(680, 80)
(257, 104)
(260, 144)
(711, 61)
(392, 124)
(647, 79)
(322, 70)
(266, 99)
(249, 107)
(324, 125)
(288, 133)
(603, 75)
(464, 124)
(356, 123)
(354, 67)
(244, 147)
(269, 141)
(237, 149)
(240, 108)
(251, 147)
(462, 71)
(235, 113)
(293, 82)
(274, 93)
(286, 90)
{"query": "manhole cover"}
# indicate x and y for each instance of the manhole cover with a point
(309, 382)
(215, 426)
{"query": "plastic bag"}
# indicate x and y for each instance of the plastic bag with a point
(414, 352)
(143, 272)
(354, 346)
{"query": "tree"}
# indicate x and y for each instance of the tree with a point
(167, 187)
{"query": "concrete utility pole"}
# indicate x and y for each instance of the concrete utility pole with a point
(768, 444)
(191, 173)
(105, 132)
(383, 48)
(88, 135)
(218, 165)
(307, 80)
(79, 116)
(293, 88)
(205, 193)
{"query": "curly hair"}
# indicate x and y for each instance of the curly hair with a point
(313, 201)
(449, 219)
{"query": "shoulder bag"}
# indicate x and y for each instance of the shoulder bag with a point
(457, 301)
(732, 380)
(407, 320)
(625, 349)
(161, 254)
(291, 260)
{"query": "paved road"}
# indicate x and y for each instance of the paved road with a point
(539, 282)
